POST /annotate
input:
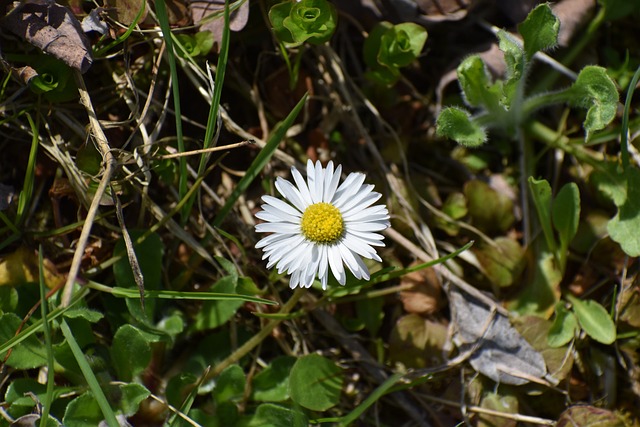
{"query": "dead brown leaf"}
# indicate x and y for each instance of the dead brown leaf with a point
(425, 295)
(52, 28)
(202, 9)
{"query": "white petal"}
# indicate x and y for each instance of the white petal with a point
(331, 182)
(350, 186)
(368, 226)
(302, 186)
(295, 278)
(350, 260)
(361, 214)
(270, 217)
(335, 262)
(363, 199)
(315, 178)
(271, 239)
(278, 227)
(291, 193)
(360, 247)
(280, 205)
(283, 216)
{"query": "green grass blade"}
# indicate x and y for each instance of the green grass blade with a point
(212, 120)
(27, 190)
(100, 52)
(177, 295)
(163, 20)
(380, 391)
(48, 343)
(624, 128)
(37, 324)
(260, 161)
(92, 381)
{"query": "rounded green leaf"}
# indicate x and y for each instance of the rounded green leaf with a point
(230, 384)
(29, 353)
(130, 352)
(594, 320)
(563, 328)
(316, 382)
(272, 383)
(455, 123)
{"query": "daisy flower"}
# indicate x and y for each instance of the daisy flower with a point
(323, 227)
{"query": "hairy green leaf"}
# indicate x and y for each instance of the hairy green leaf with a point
(539, 30)
(455, 123)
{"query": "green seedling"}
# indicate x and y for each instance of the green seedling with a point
(390, 47)
(311, 21)
(561, 214)
(502, 104)
(54, 80)
(194, 45)
(296, 23)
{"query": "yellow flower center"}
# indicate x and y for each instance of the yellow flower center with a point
(322, 223)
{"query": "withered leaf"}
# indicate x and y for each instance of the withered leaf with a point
(52, 28)
(202, 10)
(499, 351)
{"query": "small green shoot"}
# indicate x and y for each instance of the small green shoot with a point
(503, 105)
(195, 45)
(561, 214)
(311, 21)
(296, 23)
(391, 47)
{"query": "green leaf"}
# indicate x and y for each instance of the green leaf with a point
(316, 382)
(595, 91)
(130, 352)
(623, 188)
(455, 123)
(371, 46)
(370, 313)
(565, 214)
(476, 85)
(401, 44)
(272, 383)
(541, 194)
(85, 313)
(83, 411)
(623, 227)
(516, 62)
(564, 327)
(490, 210)
(277, 14)
(503, 260)
(230, 385)
(216, 313)
(539, 295)
(594, 320)
(149, 255)
(502, 403)
(271, 415)
(539, 30)
(312, 21)
(29, 354)
(53, 80)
